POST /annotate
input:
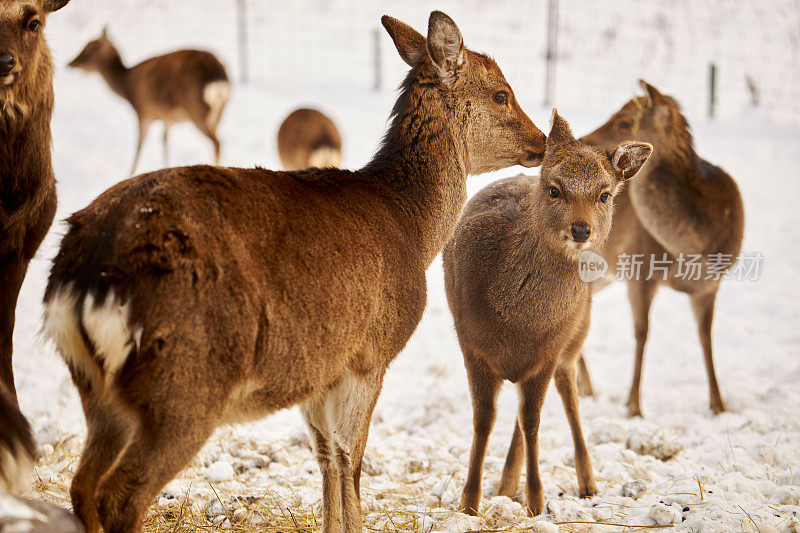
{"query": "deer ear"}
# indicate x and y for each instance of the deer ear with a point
(445, 46)
(628, 158)
(409, 42)
(657, 102)
(54, 5)
(560, 132)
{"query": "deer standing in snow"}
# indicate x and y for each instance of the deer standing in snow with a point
(308, 138)
(193, 297)
(520, 307)
(27, 184)
(183, 86)
(681, 206)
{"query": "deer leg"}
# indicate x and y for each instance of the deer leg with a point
(512, 470)
(703, 307)
(316, 420)
(532, 393)
(350, 407)
(166, 144)
(566, 384)
(144, 125)
(484, 386)
(12, 274)
(108, 436)
(585, 387)
(640, 295)
(166, 441)
(209, 132)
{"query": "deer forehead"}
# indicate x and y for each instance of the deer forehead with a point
(581, 174)
(10, 10)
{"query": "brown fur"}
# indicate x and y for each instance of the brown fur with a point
(680, 204)
(27, 184)
(520, 308)
(187, 298)
(307, 137)
(170, 88)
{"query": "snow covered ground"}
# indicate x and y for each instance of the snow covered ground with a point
(739, 471)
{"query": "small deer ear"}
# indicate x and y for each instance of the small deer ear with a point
(54, 5)
(409, 42)
(445, 46)
(560, 132)
(657, 102)
(628, 158)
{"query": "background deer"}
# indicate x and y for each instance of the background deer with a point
(521, 310)
(308, 138)
(27, 185)
(680, 205)
(193, 297)
(183, 86)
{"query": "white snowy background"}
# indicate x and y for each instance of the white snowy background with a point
(739, 471)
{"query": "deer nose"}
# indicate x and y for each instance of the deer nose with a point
(580, 232)
(7, 63)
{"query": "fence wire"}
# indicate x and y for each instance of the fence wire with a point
(603, 46)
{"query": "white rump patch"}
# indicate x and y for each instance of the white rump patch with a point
(216, 95)
(60, 325)
(325, 157)
(16, 469)
(107, 326)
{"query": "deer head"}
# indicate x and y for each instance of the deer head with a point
(479, 103)
(653, 118)
(95, 54)
(573, 202)
(23, 49)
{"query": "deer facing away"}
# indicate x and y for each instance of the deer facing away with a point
(183, 86)
(681, 204)
(521, 310)
(192, 297)
(27, 184)
(308, 138)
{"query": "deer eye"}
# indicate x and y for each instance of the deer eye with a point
(34, 25)
(554, 192)
(624, 125)
(605, 197)
(501, 97)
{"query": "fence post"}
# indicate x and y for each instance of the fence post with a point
(552, 49)
(244, 60)
(712, 90)
(376, 42)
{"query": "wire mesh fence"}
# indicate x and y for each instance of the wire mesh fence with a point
(596, 49)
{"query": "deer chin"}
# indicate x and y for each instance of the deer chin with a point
(573, 248)
(8, 80)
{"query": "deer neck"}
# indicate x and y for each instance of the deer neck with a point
(423, 161)
(25, 164)
(539, 282)
(115, 73)
(669, 195)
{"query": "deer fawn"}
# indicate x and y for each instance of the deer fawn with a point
(306, 139)
(521, 310)
(680, 206)
(27, 185)
(183, 86)
(192, 297)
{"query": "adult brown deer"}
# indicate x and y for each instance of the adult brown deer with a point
(27, 185)
(308, 138)
(183, 86)
(520, 307)
(192, 297)
(681, 206)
